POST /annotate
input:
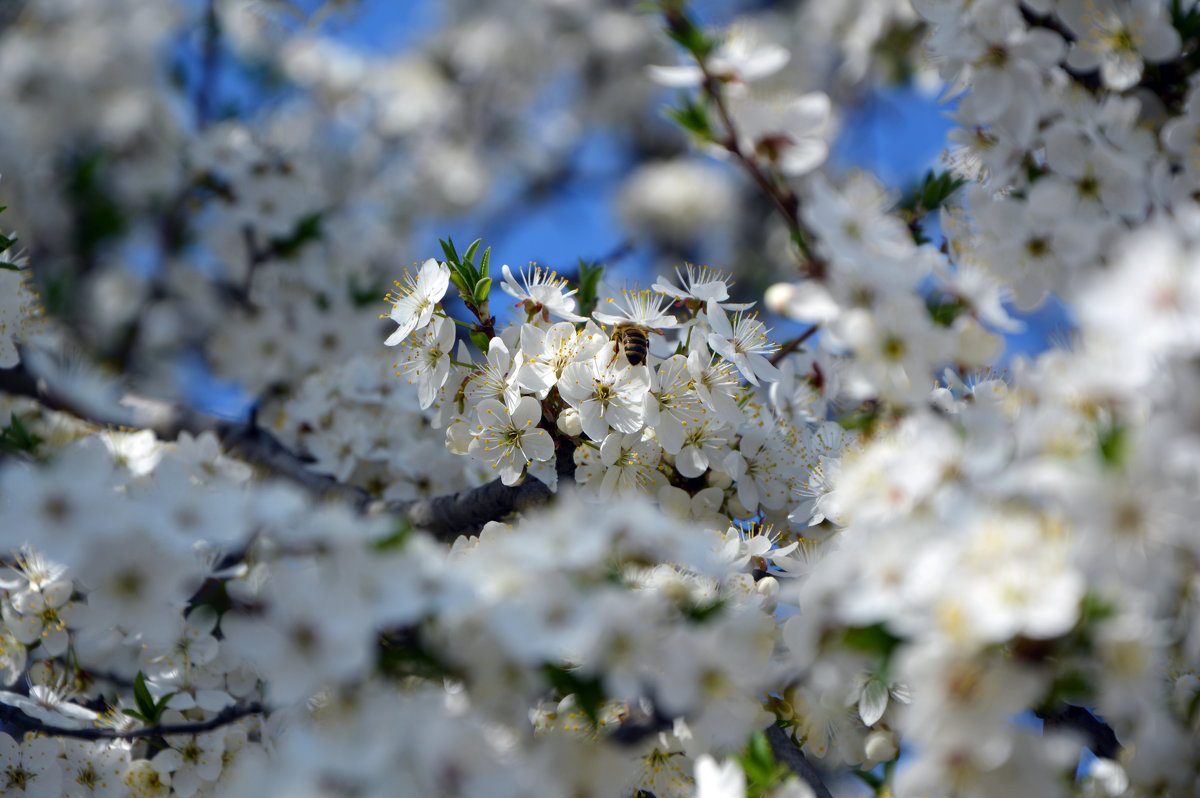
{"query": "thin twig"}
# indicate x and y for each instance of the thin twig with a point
(206, 91)
(784, 199)
(445, 516)
(223, 718)
(793, 345)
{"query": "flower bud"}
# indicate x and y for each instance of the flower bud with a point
(880, 746)
(778, 297)
(735, 508)
(458, 437)
(569, 422)
(768, 588)
(718, 479)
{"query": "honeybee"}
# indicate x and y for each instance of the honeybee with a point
(634, 339)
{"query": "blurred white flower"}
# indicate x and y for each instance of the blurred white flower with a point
(724, 780)
(676, 200)
(741, 57)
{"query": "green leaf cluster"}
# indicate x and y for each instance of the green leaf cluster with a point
(763, 772)
(307, 229)
(148, 710)
(928, 196)
(944, 309)
(684, 31)
(472, 281)
(588, 692)
(473, 284)
(16, 437)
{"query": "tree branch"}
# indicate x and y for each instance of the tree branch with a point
(467, 511)
(225, 717)
(1098, 735)
(243, 438)
(785, 199)
(786, 752)
(445, 516)
(793, 345)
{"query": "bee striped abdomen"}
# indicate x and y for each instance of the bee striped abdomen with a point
(635, 341)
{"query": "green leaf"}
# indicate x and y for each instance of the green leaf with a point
(699, 613)
(162, 705)
(17, 438)
(482, 289)
(763, 772)
(588, 692)
(692, 115)
(480, 340)
(932, 192)
(468, 277)
(459, 283)
(307, 229)
(470, 256)
(397, 538)
(688, 35)
(369, 294)
(589, 286)
(6, 242)
(1095, 608)
(451, 253)
(141, 696)
(98, 216)
(404, 658)
(11, 267)
(873, 639)
(485, 262)
(1113, 441)
(944, 310)
(868, 778)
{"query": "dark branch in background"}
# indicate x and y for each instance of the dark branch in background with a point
(18, 721)
(1098, 735)
(445, 516)
(784, 199)
(467, 511)
(242, 438)
(206, 90)
(793, 345)
(786, 752)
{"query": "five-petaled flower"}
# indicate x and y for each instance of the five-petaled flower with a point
(414, 303)
(510, 441)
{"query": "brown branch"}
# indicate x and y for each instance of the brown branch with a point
(793, 345)
(465, 512)
(445, 516)
(225, 717)
(784, 199)
(132, 411)
(789, 754)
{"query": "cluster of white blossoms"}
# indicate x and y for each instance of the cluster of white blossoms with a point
(653, 404)
(865, 549)
(359, 424)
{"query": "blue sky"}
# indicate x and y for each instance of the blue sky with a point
(897, 133)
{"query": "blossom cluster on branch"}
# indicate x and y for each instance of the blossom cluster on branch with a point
(614, 540)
